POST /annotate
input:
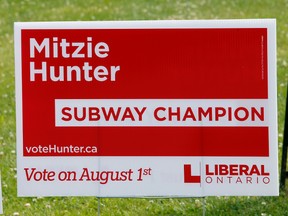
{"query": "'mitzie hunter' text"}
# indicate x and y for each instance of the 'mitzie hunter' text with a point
(55, 48)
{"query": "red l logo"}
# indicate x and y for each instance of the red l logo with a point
(188, 178)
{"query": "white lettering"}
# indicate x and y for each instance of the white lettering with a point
(34, 45)
(72, 73)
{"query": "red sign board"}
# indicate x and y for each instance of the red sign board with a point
(146, 89)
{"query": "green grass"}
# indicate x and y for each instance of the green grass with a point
(72, 10)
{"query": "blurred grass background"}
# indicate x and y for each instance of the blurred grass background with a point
(89, 10)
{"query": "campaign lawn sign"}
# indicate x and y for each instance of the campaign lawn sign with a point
(146, 108)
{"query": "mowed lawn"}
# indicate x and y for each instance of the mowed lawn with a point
(88, 10)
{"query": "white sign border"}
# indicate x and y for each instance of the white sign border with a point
(270, 24)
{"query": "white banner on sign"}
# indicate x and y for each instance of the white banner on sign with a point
(169, 112)
(148, 176)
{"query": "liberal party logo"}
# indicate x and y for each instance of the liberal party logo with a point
(228, 174)
(188, 177)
